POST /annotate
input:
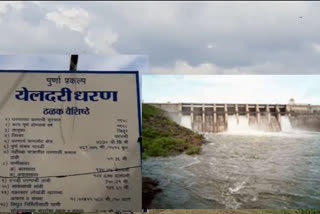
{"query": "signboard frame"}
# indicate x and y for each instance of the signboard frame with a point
(90, 72)
(105, 72)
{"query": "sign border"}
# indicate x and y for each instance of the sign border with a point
(136, 72)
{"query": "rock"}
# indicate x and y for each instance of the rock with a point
(149, 190)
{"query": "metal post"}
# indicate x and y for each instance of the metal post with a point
(73, 68)
(73, 62)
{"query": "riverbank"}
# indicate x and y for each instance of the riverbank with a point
(163, 137)
(150, 187)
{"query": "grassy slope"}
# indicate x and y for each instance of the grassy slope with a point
(163, 137)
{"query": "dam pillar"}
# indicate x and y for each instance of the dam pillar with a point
(258, 113)
(214, 118)
(278, 114)
(268, 113)
(247, 111)
(191, 116)
(225, 116)
(203, 118)
(237, 112)
(288, 110)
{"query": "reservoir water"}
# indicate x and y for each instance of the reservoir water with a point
(242, 169)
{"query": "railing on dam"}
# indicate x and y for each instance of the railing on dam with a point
(204, 117)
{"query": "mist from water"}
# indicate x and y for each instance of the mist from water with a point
(240, 124)
(285, 124)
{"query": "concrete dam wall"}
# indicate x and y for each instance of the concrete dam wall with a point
(241, 117)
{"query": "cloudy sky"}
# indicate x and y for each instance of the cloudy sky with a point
(261, 89)
(179, 37)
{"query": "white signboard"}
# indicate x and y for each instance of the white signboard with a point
(69, 141)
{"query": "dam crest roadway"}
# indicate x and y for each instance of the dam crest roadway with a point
(221, 117)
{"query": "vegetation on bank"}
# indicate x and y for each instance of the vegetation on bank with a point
(163, 137)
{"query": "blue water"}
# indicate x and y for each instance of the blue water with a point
(242, 171)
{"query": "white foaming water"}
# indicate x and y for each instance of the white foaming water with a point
(186, 121)
(285, 124)
(241, 127)
(242, 169)
(291, 134)
(238, 125)
(237, 188)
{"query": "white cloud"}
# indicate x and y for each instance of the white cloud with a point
(183, 67)
(5, 5)
(236, 89)
(76, 19)
(101, 42)
(179, 37)
(316, 47)
(107, 62)
(210, 46)
(228, 96)
(38, 3)
(147, 14)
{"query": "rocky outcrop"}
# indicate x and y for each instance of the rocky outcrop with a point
(150, 188)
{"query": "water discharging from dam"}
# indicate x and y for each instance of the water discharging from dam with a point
(242, 168)
(243, 125)
(240, 124)
(285, 124)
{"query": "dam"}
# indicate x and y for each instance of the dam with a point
(221, 117)
(276, 167)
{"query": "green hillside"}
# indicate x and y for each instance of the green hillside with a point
(163, 137)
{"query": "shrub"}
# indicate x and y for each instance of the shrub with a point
(193, 150)
(150, 111)
(144, 156)
(163, 137)
(161, 146)
(150, 132)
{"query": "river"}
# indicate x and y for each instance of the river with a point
(241, 170)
